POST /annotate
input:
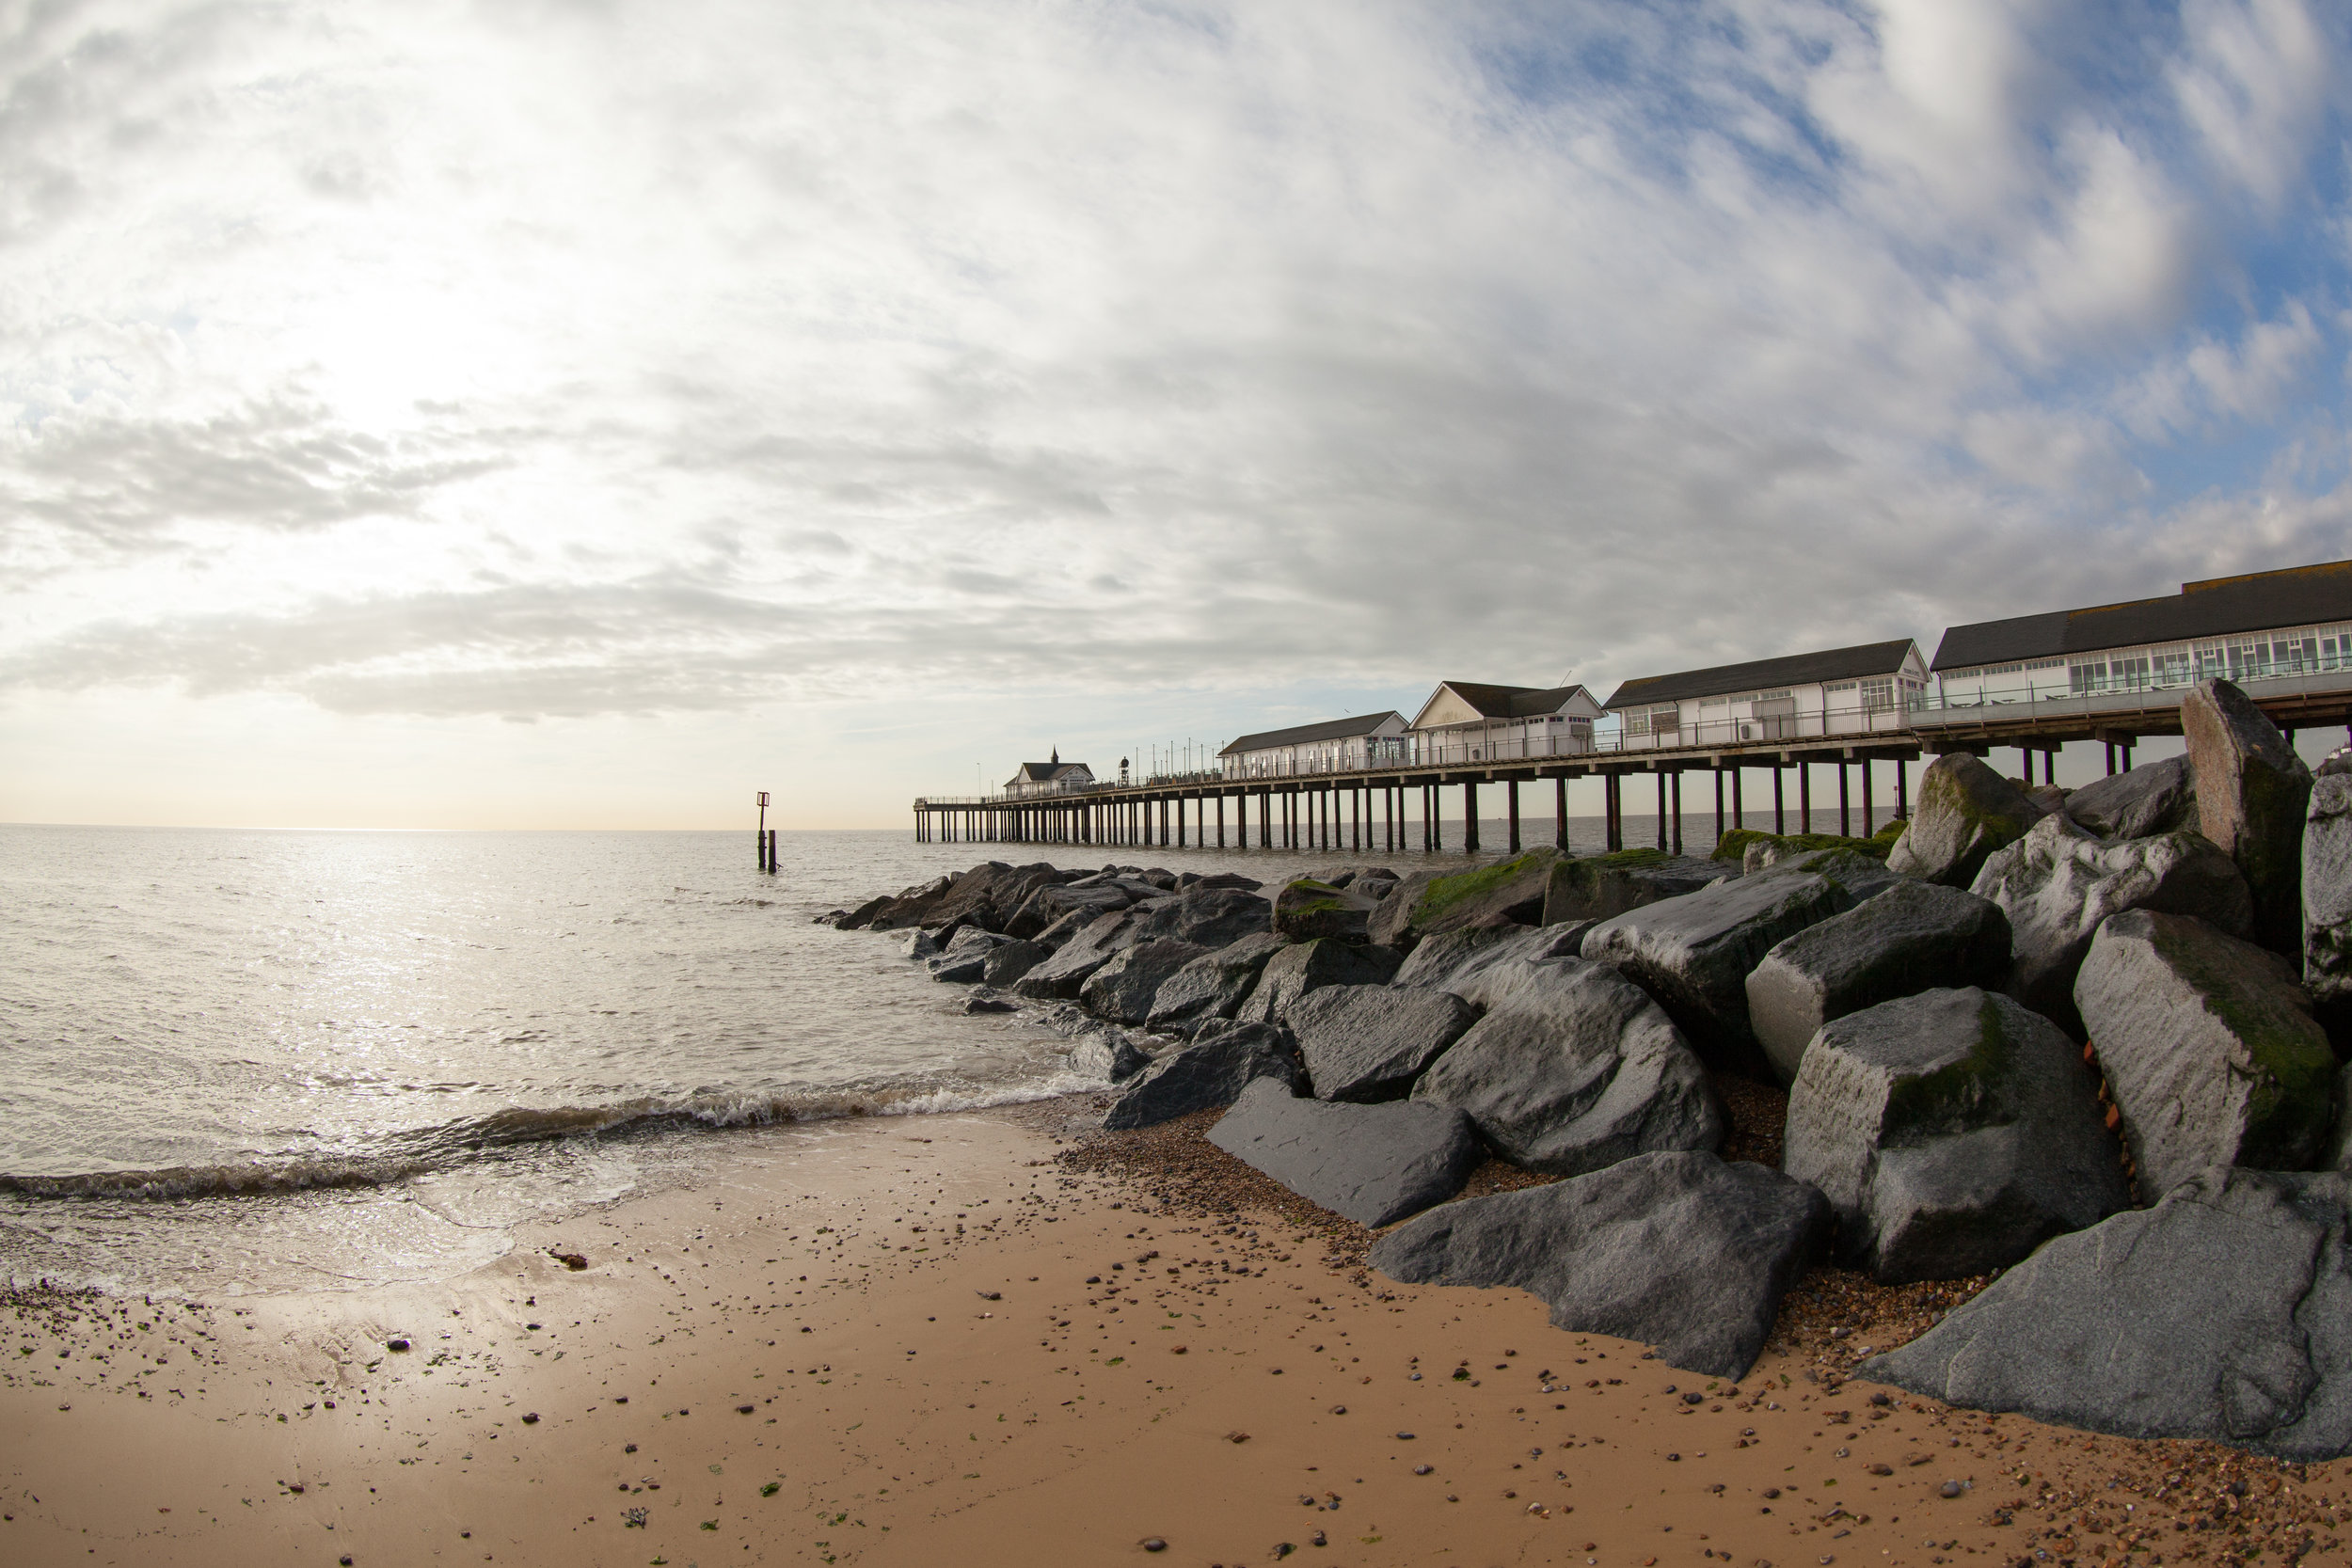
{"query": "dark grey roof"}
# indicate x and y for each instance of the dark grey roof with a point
(2298, 595)
(1833, 664)
(1512, 702)
(1306, 735)
(1046, 772)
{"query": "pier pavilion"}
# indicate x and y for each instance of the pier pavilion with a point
(1331, 746)
(2113, 673)
(1473, 721)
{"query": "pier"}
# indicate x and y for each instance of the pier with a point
(1400, 807)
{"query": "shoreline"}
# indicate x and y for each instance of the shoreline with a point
(815, 1312)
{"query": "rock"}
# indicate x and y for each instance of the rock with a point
(1221, 879)
(987, 999)
(1681, 1251)
(1862, 876)
(2252, 792)
(2159, 797)
(1953, 1132)
(1368, 1043)
(2209, 1048)
(1096, 943)
(2057, 883)
(1054, 902)
(1454, 956)
(1011, 960)
(2047, 799)
(1212, 986)
(1307, 966)
(1963, 812)
(2328, 889)
(964, 960)
(2223, 1313)
(918, 946)
(1752, 851)
(1573, 1068)
(1306, 910)
(1914, 936)
(1210, 916)
(1107, 1054)
(1694, 952)
(1213, 1070)
(1122, 988)
(989, 895)
(1599, 887)
(1506, 892)
(863, 916)
(1370, 1163)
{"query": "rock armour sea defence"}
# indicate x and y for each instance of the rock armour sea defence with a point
(2224, 1313)
(2252, 792)
(1212, 986)
(1370, 1163)
(2328, 888)
(1222, 1060)
(1953, 1132)
(2209, 1048)
(1597, 887)
(1309, 966)
(1573, 1068)
(1367, 1043)
(2159, 797)
(1507, 893)
(1680, 1251)
(1963, 812)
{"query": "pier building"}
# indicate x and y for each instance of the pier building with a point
(1329, 745)
(1829, 695)
(1473, 721)
(1049, 778)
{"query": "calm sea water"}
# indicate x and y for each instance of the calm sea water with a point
(238, 1060)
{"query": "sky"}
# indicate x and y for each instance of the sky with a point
(583, 415)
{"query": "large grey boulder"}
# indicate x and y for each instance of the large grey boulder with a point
(1212, 986)
(1915, 937)
(1096, 943)
(1209, 915)
(964, 960)
(1122, 989)
(1595, 887)
(2057, 883)
(1107, 1054)
(1367, 1043)
(2328, 889)
(1694, 952)
(1963, 812)
(1574, 1067)
(1221, 1061)
(2209, 1047)
(1507, 893)
(1056, 900)
(1862, 876)
(1370, 1163)
(1953, 1132)
(1680, 1251)
(1306, 910)
(2156, 798)
(1011, 962)
(1309, 966)
(2252, 792)
(2224, 1313)
(1449, 959)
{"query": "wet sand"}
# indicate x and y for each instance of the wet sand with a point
(959, 1339)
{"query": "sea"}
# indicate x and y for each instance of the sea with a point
(236, 1061)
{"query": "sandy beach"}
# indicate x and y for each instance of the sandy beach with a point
(984, 1338)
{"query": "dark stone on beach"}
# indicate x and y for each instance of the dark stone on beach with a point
(2328, 889)
(1368, 1043)
(2252, 795)
(1011, 962)
(1911, 938)
(1953, 1133)
(964, 961)
(1054, 902)
(1450, 959)
(1109, 1055)
(1221, 879)
(1573, 1068)
(2057, 884)
(2209, 1047)
(1597, 887)
(1962, 813)
(1308, 966)
(2223, 1313)
(859, 918)
(1694, 954)
(1307, 909)
(1862, 876)
(985, 999)
(2158, 797)
(1094, 945)
(1212, 986)
(1681, 1251)
(1370, 1163)
(1122, 988)
(1507, 893)
(1213, 1070)
(1210, 916)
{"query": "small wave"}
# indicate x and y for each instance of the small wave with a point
(425, 1150)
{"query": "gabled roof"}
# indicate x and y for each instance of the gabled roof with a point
(1048, 773)
(1504, 702)
(1831, 664)
(2295, 596)
(1307, 734)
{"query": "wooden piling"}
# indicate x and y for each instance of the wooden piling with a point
(1677, 806)
(1470, 817)
(1866, 798)
(1845, 821)
(1511, 800)
(1805, 797)
(1661, 808)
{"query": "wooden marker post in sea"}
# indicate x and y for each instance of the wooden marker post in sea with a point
(765, 840)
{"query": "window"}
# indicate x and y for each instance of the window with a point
(1878, 696)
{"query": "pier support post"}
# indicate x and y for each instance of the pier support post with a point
(1677, 795)
(1805, 797)
(1845, 821)
(1719, 804)
(1866, 798)
(1902, 789)
(1560, 814)
(1470, 817)
(1738, 803)
(1511, 800)
(1661, 809)
(1434, 801)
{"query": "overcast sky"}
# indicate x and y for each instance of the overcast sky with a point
(584, 414)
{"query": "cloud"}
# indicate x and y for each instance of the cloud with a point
(564, 361)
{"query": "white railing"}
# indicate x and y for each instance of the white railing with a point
(2116, 694)
(1715, 734)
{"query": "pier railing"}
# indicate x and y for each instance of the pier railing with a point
(2134, 691)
